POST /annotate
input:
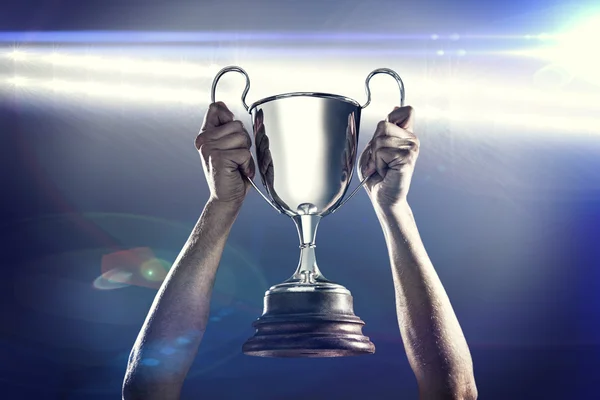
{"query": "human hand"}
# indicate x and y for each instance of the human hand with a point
(390, 156)
(224, 147)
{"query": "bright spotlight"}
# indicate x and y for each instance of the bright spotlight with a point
(17, 81)
(577, 50)
(17, 55)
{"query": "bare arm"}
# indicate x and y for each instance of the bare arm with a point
(434, 342)
(168, 341)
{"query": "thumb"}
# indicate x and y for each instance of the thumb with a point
(248, 168)
(217, 115)
(403, 117)
(366, 163)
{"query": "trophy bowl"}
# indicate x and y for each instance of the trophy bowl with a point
(306, 150)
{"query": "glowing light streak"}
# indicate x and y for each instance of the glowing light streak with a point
(165, 95)
(272, 75)
(117, 64)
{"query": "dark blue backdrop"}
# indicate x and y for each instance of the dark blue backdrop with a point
(511, 223)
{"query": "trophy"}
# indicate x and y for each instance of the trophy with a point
(306, 149)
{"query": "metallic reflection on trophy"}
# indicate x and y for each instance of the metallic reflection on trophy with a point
(306, 149)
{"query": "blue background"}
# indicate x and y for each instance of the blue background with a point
(511, 222)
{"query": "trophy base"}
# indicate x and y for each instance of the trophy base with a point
(308, 321)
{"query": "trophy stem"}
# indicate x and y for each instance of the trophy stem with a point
(307, 228)
(307, 271)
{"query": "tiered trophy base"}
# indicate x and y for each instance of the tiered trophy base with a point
(308, 320)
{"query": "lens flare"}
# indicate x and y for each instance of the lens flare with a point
(137, 267)
(113, 279)
(155, 270)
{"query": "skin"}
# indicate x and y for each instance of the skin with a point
(168, 341)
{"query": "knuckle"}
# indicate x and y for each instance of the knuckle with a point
(215, 107)
(248, 140)
(240, 139)
(218, 108)
(376, 144)
(378, 141)
(376, 152)
(416, 143)
(238, 125)
(199, 141)
(217, 159)
(382, 126)
(205, 150)
(410, 156)
(245, 154)
(405, 153)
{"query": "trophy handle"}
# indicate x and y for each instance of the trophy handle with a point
(213, 90)
(368, 90)
(222, 72)
(388, 72)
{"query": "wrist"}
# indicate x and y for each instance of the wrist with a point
(396, 211)
(224, 209)
(395, 218)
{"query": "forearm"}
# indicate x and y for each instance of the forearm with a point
(433, 339)
(168, 341)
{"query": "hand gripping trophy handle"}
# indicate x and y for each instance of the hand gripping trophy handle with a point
(246, 107)
(368, 90)
(244, 94)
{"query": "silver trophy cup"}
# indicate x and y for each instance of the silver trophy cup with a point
(306, 149)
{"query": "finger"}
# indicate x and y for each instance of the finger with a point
(219, 132)
(380, 164)
(382, 129)
(367, 162)
(402, 117)
(369, 169)
(394, 142)
(248, 168)
(385, 128)
(391, 158)
(240, 159)
(217, 115)
(236, 140)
